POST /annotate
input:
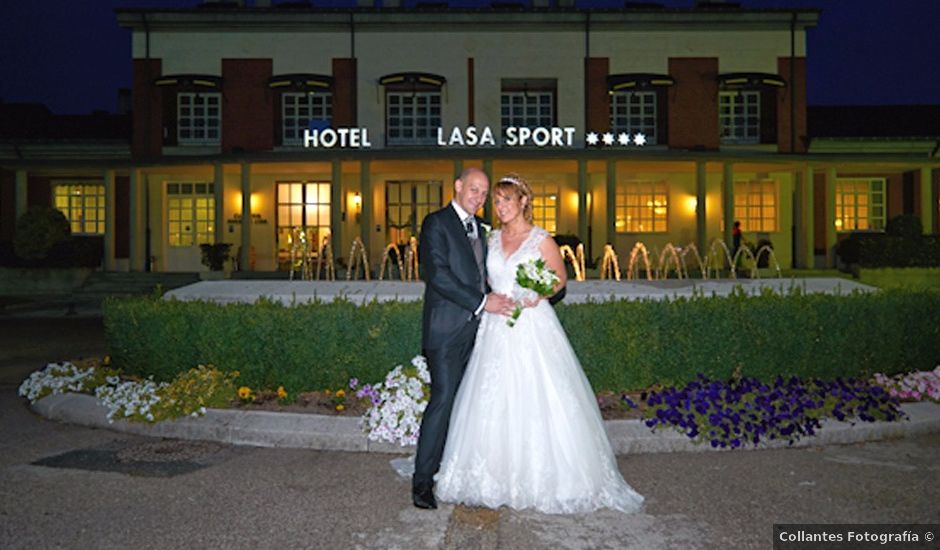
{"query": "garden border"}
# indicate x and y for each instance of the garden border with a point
(342, 433)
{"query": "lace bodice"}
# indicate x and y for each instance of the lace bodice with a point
(501, 271)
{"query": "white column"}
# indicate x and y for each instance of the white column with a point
(831, 238)
(727, 201)
(245, 259)
(136, 221)
(927, 203)
(218, 186)
(109, 210)
(22, 187)
(337, 206)
(701, 229)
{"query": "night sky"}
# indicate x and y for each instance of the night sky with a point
(72, 56)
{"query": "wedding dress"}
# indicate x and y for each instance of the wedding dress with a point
(525, 431)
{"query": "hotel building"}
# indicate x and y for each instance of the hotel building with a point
(636, 124)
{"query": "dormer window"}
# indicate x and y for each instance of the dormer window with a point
(747, 110)
(193, 114)
(412, 108)
(638, 104)
(306, 100)
(528, 103)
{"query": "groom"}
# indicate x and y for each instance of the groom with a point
(452, 252)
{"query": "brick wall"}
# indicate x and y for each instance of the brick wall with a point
(247, 105)
(148, 109)
(693, 103)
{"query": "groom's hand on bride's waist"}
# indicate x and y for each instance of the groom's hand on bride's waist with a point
(498, 303)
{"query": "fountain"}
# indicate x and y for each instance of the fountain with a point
(411, 260)
(326, 251)
(669, 252)
(753, 260)
(609, 264)
(717, 259)
(386, 262)
(355, 260)
(576, 259)
(299, 252)
(639, 249)
(692, 249)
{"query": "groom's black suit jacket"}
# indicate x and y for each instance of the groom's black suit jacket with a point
(452, 279)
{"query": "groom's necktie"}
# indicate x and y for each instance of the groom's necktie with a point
(477, 245)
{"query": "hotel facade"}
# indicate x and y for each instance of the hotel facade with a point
(639, 124)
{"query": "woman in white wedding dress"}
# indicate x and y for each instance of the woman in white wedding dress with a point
(526, 431)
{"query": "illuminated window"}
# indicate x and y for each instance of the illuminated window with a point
(298, 109)
(860, 204)
(199, 118)
(739, 116)
(407, 203)
(755, 205)
(633, 112)
(83, 205)
(545, 206)
(190, 214)
(641, 207)
(412, 118)
(305, 206)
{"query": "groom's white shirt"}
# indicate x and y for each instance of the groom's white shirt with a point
(464, 216)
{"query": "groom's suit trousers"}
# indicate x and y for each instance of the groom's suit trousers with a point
(446, 366)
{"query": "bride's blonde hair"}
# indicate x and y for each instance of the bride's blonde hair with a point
(514, 185)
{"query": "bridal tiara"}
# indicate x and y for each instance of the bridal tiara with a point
(513, 179)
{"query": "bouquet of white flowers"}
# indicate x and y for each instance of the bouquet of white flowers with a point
(398, 404)
(536, 276)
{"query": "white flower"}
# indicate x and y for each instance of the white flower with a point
(401, 401)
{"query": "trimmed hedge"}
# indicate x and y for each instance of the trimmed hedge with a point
(622, 345)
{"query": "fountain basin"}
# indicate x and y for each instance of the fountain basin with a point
(359, 292)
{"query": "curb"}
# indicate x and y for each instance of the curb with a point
(342, 433)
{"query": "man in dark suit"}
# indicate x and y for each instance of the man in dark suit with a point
(452, 252)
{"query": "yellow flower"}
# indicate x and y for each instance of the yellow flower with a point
(281, 392)
(244, 392)
(340, 393)
(341, 407)
(106, 361)
(328, 393)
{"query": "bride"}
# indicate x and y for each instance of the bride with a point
(526, 431)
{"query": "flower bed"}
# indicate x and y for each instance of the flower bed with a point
(743, 411)
(748, 411)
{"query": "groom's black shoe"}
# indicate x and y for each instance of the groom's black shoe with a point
(423, 496)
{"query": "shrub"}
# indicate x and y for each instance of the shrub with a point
(621, 345)
(215, 255)
(901, 245)
(38, 230)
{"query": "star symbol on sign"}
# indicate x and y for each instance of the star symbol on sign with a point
(592, 138)
(639, 138)
(623, 138)
(608, 138)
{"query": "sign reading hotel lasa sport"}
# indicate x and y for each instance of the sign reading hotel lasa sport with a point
(319, 135)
